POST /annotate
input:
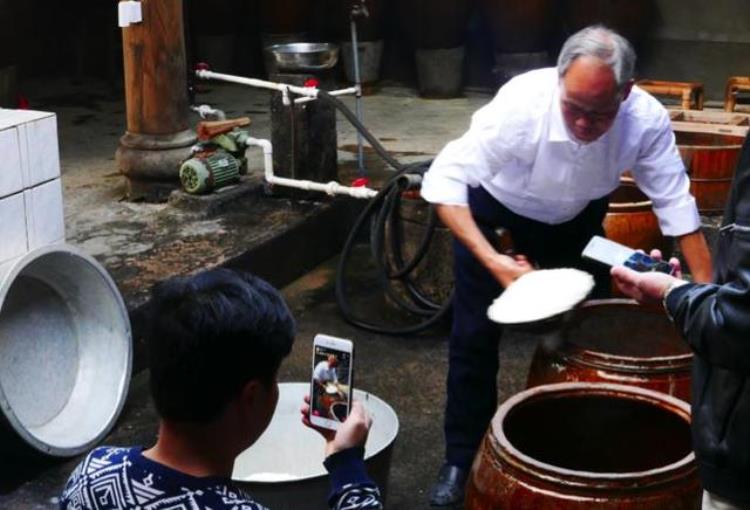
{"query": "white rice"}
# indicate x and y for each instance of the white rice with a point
(541, 294)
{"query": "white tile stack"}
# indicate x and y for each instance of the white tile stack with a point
(31, 203)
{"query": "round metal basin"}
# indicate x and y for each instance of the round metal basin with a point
(303, 56)
(284, 469)
(65, 352)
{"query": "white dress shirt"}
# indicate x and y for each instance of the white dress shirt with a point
(323, 373)
(519, 150)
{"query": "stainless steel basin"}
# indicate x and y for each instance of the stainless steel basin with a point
(303, 56)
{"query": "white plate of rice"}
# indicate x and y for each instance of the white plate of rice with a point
(541, 294)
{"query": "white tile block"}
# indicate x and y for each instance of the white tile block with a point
(45, 221)
(42, 150)
(11, 173)
(10, 118)
(36, 141)
(13, 234)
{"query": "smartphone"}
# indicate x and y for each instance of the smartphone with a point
(612, 253)
(331, 381)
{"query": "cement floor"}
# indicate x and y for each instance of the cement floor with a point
(144, 243)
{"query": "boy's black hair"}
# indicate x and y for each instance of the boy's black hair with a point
(210, 334)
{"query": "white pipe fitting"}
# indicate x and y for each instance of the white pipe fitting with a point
(331, 188)
(205, 111)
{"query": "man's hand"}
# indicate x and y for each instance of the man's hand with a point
(503, 268)
(647, 287)
(352, 432)
(507, 269)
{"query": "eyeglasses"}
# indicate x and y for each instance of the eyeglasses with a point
(594, 117)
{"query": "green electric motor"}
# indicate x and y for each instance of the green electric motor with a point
(206, 172)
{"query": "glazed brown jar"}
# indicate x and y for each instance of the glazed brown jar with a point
(583, 446)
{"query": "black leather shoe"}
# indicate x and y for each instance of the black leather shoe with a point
(448, 491)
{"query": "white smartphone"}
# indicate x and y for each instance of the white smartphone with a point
(331, 382)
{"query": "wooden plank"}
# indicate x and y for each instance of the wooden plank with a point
(708, 116)
(701, 127)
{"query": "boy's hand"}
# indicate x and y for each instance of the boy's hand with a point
(352, 432)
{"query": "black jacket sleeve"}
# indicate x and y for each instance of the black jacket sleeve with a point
(715, 320)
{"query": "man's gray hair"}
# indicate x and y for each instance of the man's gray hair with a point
(603, 43)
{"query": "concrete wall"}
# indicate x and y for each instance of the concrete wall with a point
(696, 40)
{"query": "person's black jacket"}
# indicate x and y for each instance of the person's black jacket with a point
(715, 320)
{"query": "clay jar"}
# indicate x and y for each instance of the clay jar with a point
(616, 341)
(584, 445)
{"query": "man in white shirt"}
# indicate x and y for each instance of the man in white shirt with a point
(540, 160)
(325, 371)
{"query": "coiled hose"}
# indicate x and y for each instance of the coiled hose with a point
(380, 212)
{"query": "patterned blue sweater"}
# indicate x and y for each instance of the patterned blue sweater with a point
(122, 478)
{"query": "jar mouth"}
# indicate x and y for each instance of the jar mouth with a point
(579, 433)
(620, 332)
(630, 364)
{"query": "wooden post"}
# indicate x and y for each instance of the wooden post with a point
(158, 135)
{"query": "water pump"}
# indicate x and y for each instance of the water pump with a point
(218, 159)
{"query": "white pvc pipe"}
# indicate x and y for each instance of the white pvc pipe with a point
(309, 93)
(339, 92)
(330, 188)
(254, 82)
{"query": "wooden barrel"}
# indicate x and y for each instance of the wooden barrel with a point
(631, 221)
(285, 16)
(434, 24)
(710, 160)
(519, 27)
(521, 33)
(577, 446)
(633, 19)
(436, 29)
(616, 341)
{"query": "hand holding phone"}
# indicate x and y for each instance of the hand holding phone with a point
(615, 254)
(352, 432)
(331, 381)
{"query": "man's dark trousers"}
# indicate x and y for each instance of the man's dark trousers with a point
(473, 358)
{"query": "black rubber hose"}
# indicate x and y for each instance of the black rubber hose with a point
(387, 199)
(341, 297)
(351, 117)
(403, 270)
(381, 256)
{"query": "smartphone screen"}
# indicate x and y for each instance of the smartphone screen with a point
(331, 385)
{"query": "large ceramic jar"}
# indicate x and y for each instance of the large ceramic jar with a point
(574, 446)
(616, 341)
